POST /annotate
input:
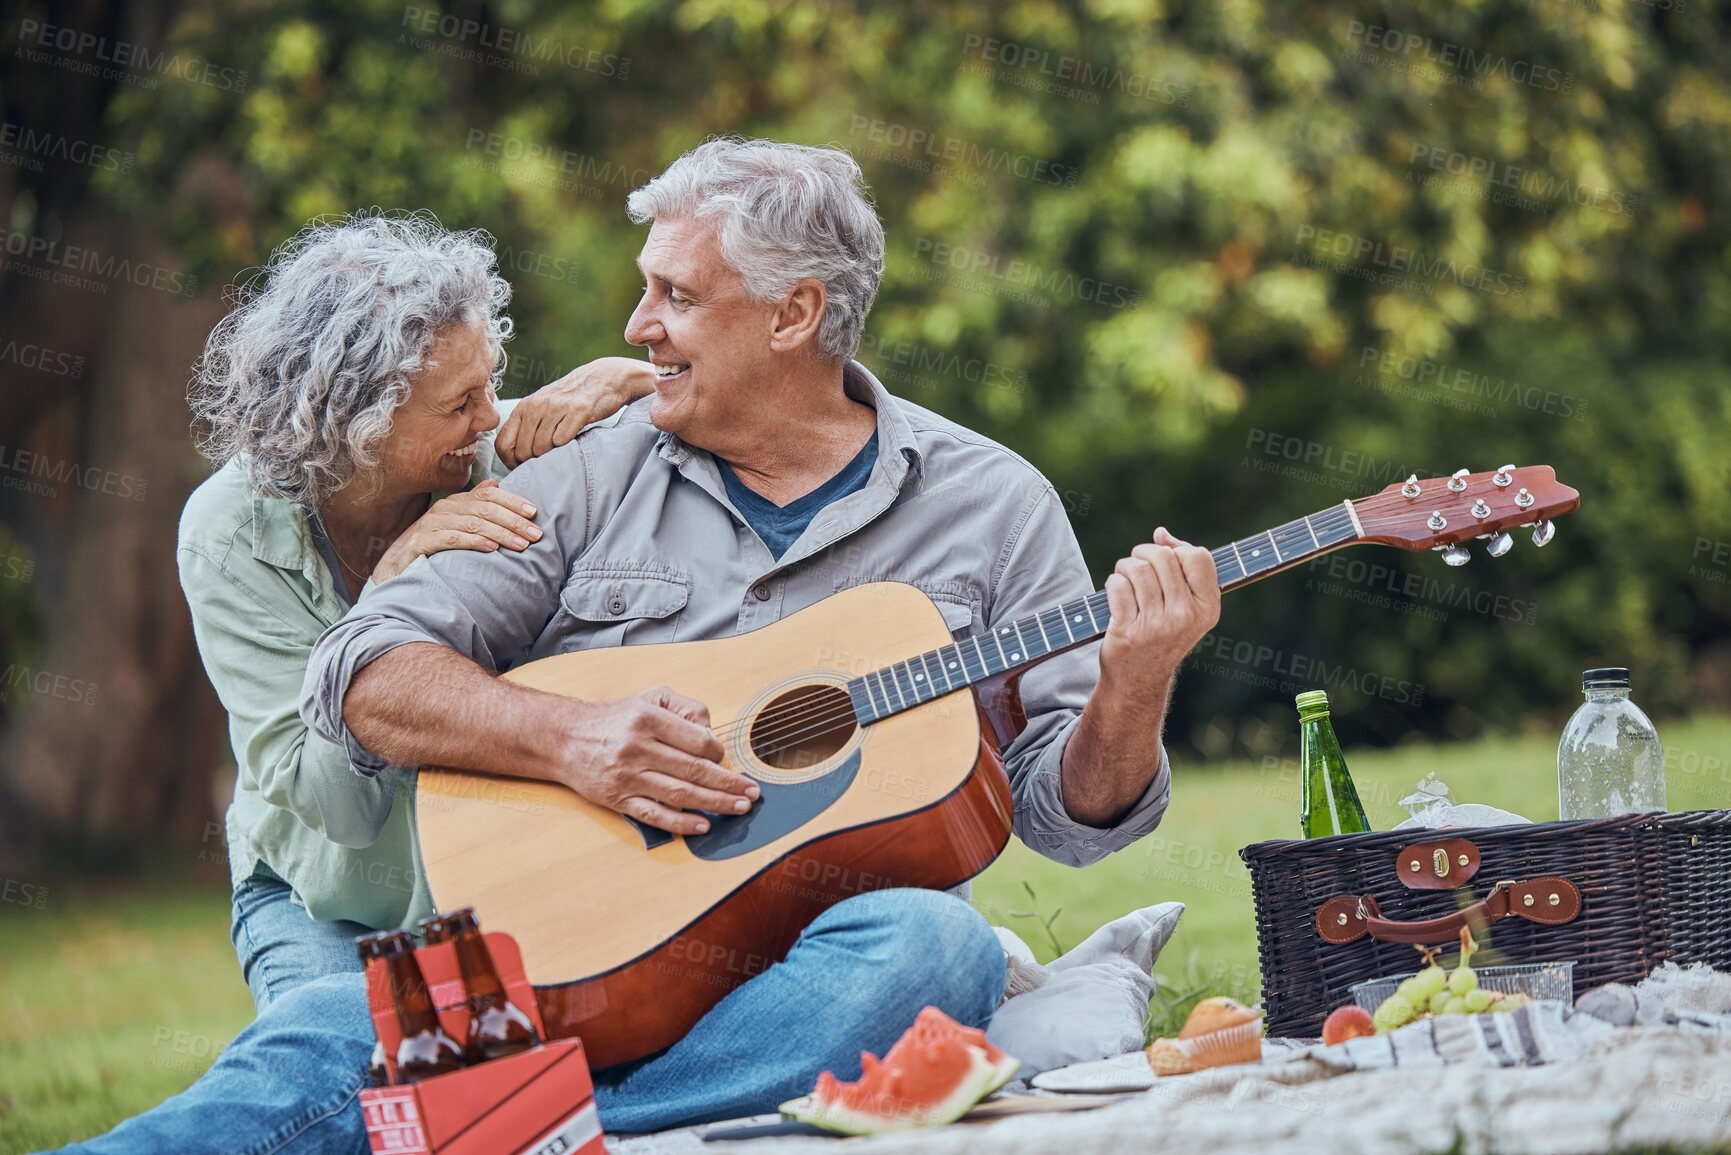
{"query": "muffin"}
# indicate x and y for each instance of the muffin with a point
(1219, 1033)
(1166, 1059)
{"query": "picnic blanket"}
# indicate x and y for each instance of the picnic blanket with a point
(1625, 1066)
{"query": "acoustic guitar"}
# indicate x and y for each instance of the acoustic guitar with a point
(875, 738)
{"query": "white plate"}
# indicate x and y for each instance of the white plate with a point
(1129, 1072)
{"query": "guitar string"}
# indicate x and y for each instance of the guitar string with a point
(807, 713)
(792, 725)
(788, 717)
(812, 721)
(799, 714)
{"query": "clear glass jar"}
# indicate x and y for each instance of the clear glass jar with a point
(1610, 760)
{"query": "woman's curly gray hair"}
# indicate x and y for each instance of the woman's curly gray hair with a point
(300, 381)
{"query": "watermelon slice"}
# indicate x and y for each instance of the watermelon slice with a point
(931, 1077)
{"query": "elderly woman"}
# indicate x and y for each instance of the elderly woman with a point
(349, 401)
(862, 970)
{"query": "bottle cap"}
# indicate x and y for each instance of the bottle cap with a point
(368, 945)
(433, 929)
(1312, 702)
(459, 921)
(1605, 677)
(394, 942)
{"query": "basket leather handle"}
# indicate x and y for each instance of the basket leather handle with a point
(1549, 899)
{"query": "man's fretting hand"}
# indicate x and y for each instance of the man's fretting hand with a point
(651, 756)
(1164, 597)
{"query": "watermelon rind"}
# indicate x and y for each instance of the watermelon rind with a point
(984, 1076)
(1002, 1072)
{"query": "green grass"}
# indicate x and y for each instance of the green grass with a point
(113, 999)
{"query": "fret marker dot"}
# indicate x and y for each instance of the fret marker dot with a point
(952, 665)
(1015, 657)
(1077, 618)
(919, 677)
(1005, 630)
(1255, 553)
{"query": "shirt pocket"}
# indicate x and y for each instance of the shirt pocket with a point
(616, 606)
(958, 601)
(958, 613)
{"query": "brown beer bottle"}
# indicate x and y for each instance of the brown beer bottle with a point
(367, 946)
(433, 930)
(426, 1050)
(497, 1026)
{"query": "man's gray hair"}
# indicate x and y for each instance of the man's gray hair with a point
(783, 212)
(301, 380)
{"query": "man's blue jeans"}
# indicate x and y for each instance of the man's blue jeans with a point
(290, 1083)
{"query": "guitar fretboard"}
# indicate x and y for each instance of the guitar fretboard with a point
(1259, 555)
(904, 685)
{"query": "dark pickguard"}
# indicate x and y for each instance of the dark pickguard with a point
(783, 807)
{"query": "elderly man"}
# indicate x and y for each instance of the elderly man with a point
(767, 472)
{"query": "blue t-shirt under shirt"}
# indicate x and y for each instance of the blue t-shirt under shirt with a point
(780, 525)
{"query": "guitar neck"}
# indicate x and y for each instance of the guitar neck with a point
(1249, 559)
(1020, 643)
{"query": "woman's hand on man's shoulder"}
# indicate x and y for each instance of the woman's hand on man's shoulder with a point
(481, 519)
(557, 412)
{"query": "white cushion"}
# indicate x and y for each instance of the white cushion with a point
(1090, 1004)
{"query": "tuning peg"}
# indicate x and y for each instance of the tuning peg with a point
(1457, 555)
(1500, 544)
(1543, 532)
(1458, 482)
(1503, 477)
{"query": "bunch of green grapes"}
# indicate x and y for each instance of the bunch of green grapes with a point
(1438, 992)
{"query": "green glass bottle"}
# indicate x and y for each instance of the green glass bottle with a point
(1330, 802)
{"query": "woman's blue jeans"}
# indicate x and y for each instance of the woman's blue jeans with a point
(279, 945)
(854, 981)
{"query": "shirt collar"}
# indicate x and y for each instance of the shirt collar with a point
(280, 535)
(898, 452)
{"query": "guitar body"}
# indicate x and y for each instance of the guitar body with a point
(628, 943)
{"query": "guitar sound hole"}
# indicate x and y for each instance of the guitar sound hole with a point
(802, 727)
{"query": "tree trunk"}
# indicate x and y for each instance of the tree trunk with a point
(112, 734)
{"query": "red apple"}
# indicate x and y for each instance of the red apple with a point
(1349, 1022)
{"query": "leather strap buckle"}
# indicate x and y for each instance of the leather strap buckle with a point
(1447, 864)
(1550, 900)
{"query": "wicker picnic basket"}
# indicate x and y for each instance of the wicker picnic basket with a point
(1618, 896)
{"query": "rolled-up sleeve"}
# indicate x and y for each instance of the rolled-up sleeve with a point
(488, 606)
(1042, 566)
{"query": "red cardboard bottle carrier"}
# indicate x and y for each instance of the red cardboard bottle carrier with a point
(538, 1102)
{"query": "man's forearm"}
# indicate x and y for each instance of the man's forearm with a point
(425, 705)
(1114, 754)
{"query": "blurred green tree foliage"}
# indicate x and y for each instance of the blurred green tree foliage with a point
(1207, 264)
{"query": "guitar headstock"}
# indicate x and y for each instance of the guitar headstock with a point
(1442, 512)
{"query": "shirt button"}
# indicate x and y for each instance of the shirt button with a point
(760, 592)
(617, 605)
